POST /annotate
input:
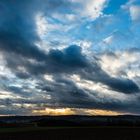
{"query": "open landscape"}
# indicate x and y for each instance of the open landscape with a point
(69, 69)
(70, 127)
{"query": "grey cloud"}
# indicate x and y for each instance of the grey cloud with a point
(56, 61)
(96, 74)
(122, 85)
(70, 60)
(18, 31)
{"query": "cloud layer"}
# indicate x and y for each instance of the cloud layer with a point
(51, 56)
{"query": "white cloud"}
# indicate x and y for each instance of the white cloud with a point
(42, 24)
(85, 45)
(102, 93)
(66, 17)
(90, 8)
(128, 4)
(123, 64)
(8, 95)
(133, 8)
(46, 27)
(135, 12)
(4, 70)
(49, 78)
(94, 8)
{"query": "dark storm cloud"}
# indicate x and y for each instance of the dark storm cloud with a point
(17, 30)
(18, 37)
(18, 91)
(68, 60)
(63, 91)
(96, 74)
(122, 85)
(18, 26)
(71, 60)
(65, 61)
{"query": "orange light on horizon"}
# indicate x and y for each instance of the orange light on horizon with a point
(54, 112)
(75, 111)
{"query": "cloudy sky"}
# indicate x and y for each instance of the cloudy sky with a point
(60, 57)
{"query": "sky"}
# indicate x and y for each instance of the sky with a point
(63, 57)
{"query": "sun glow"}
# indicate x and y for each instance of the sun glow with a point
(55, 112)
(74, 111)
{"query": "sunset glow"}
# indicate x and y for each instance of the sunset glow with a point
(74, 111)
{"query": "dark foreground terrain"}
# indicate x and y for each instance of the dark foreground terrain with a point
(96, 133)
(70, 128)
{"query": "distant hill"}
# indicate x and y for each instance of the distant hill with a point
(72, 120)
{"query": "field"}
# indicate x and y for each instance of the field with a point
(70, 128)
(70, 133)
